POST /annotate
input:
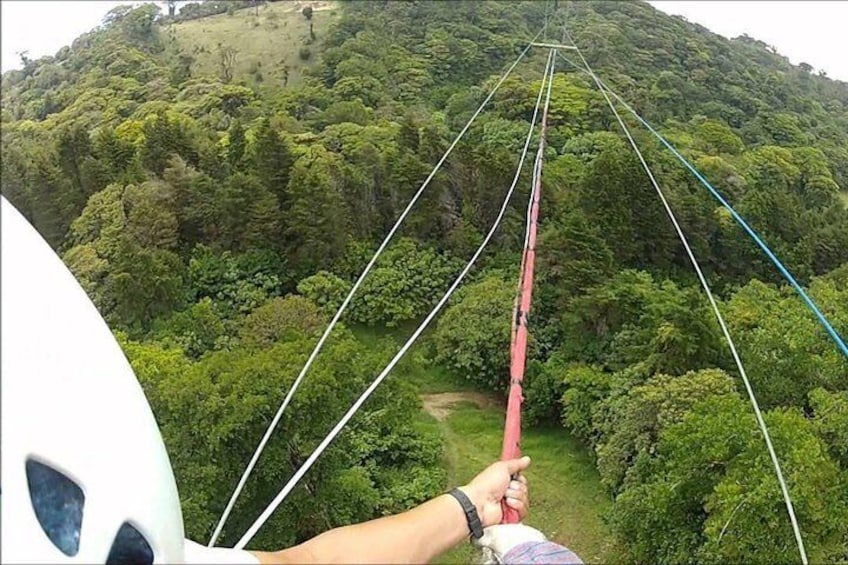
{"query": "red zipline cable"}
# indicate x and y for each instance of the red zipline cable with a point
(518, 349)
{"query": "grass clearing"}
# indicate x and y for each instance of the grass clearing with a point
(844, 197)
(416, 366)
(567, 500)
(264, 45)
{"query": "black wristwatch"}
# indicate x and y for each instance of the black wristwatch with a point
(471, 516)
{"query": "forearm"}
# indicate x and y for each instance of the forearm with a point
(416, 536)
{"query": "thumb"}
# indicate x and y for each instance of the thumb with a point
(516, 465)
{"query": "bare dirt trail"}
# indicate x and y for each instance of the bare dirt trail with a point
(439, 405)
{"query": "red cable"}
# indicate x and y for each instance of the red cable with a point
(518, 349)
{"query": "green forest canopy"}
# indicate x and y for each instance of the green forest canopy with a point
(216, 209)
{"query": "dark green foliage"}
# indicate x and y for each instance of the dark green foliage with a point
(830, 411)
(279, 319)
(617, 197)
(633, 320)
(317, 230)
(196, 330)
(713, 492)
(189, 206)
(233, 394)
(163, 136)
(542, 391)
(472, 337)
(238, 283)
(404, 285)
(271, 160)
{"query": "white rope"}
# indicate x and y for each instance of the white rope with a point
(787, 499)
(347, 300)
(536, 165)
(245, 539)
(549, 68)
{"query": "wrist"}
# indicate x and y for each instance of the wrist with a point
(479, 503)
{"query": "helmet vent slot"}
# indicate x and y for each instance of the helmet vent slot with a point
(129, 547)
(58, 503)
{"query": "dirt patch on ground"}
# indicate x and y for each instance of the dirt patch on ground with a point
(439, 405)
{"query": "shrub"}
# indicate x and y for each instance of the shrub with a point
(472, 337)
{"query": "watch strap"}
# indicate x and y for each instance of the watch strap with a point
(471, 516)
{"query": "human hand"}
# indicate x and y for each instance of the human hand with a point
(495, 484)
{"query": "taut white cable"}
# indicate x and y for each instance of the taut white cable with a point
(762, 424)
(356, 405)
(347, 300)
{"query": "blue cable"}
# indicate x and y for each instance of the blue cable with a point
(827, 326)
(784, 271)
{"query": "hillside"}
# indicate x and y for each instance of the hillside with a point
(217, 221)
(267, 47)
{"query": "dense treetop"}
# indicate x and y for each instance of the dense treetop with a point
(217, 203)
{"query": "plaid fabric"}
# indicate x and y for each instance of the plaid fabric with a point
(540, 552)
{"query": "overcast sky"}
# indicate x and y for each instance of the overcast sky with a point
(810, 31)
(806, 31)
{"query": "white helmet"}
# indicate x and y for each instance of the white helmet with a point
(85, 477)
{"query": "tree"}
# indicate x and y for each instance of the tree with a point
(307, 12)
(617, 197)
(233, 393)
(281, 319)
(318, 221)
(711, 490)
(786, 351)
(407, 282)
(236, 146)
(151, 214)
(633, 421)
(226, 62)
(760, 529)
(632, 321)
(830, 419)
(324, 289)
(716, 137)
(248, 214)
(472, 336)
(196, 330)
(146, 283)
(24, 56)
(572, 257)
(162, 135)
(238, 284)
(272, 161)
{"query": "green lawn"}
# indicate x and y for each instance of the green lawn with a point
(415, 366)
(268, 42)
(567, 500)
(844, 196)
